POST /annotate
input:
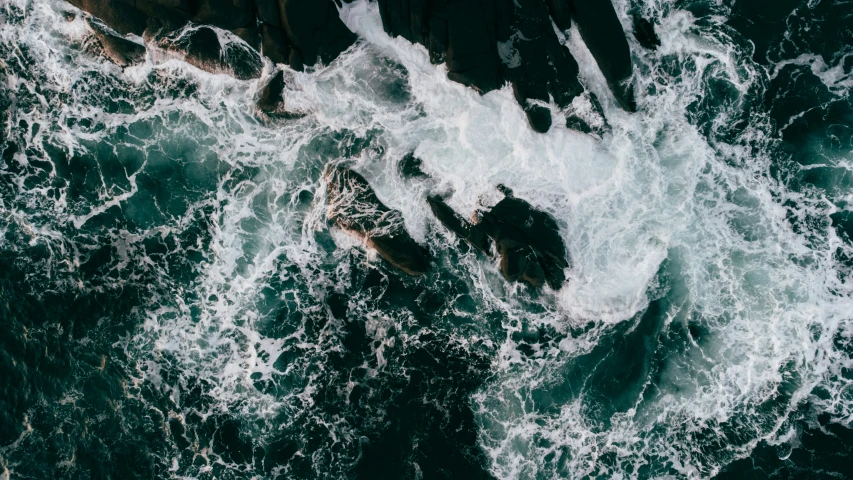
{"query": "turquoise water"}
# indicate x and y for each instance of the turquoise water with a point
(175, 305)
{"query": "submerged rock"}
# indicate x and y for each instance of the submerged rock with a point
(210, 49)
(120, 50)
(353, 205)
(644, 32)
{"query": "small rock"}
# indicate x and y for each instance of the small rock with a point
(473, 234)
(410, 167)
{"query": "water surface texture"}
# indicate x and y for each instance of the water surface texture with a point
(174, 303)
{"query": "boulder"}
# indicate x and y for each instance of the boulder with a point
(527, 240)
(353, 205)
(210, 49)
(528, 236)
(271, 101)
(120, 50)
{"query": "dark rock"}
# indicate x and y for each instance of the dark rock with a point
(225, 14)
(119, 50)
(271, 101)
(602, 33)
(515, 225)
(353, 205)
(274, 44)
(212, 51)
(473, 234)
(410, 167)
(272, 95)
(471, 54)
(298, 32)
(644, 32)
(315, 31)
(121, 16)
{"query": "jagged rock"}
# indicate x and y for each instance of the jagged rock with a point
(527, 240)
(211, 50)
(473, 234)
(119, 50)
(513, 223)
(271, 101)
(353, 205)
(644, 32)
(602, 33)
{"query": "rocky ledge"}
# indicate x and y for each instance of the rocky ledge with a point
(484, 43)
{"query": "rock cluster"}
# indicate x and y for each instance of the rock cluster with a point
(487, 43)
(526, 240)
(297, 32)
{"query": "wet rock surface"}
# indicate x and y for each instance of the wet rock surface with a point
(527, 240)
(272, 101)
(296, 32)
(212, 50)
(118, 49)
(353, 205)
(487, 44)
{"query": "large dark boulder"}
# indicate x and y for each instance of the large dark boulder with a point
(211, 50)
(527, 240)
(529, 236)
(602, 33)
(353, 205)
(120, 50)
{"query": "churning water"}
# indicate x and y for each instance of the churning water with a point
(173, 303)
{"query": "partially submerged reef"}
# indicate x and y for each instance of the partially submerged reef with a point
(485, 44)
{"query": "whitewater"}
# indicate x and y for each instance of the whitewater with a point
(167, 249)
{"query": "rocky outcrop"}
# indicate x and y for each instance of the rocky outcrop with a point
(353, 205)
(210, 49)
(487, 43)
(272, 103)
(120, 50)
(471, 233)
(527, 240)
(296, 32)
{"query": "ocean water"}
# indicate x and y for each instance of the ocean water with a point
(174, 304)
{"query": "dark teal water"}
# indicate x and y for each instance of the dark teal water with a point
(173, 303)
